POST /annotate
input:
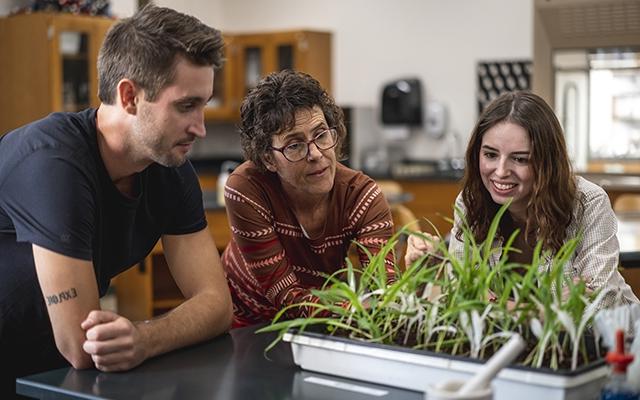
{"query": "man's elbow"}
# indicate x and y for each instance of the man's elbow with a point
(219, 311)
(226, 317)
(223, 306)
(75, 355)
(78, 359)
(82, 363)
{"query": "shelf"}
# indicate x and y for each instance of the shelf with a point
(75, 57)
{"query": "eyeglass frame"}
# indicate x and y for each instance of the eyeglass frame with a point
(332, 131)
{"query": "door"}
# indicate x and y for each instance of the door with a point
(225, 103)
(74, 46)
(572, 103)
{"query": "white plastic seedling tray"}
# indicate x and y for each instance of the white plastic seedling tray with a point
(415, 370)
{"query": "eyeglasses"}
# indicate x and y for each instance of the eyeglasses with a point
(297, 151)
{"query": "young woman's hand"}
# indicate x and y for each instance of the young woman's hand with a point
(419, 244)
(576, 279)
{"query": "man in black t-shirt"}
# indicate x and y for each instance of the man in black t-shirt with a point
(85, 196)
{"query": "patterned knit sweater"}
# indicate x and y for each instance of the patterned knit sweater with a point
(270, 263)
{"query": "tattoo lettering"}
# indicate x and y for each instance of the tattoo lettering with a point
(62, 296)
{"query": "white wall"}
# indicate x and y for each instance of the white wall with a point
(375, 41)
(208, 11)
(123, 8)
(378, 40)
(6, 6)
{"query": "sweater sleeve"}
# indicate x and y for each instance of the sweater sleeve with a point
(372, 215)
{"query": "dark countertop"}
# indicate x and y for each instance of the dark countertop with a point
(211, 166)
(429, 171)
(210, 199)
(232, 366)
(617, 182)
(424, 172)
(441, 176)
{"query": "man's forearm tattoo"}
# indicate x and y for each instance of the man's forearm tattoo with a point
(62, 296)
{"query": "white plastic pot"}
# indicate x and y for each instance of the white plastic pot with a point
(416, 370)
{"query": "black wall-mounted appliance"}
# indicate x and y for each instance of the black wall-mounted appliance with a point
(402, 102)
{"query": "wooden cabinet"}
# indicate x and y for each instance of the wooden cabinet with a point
(225, 104)
(249, 57)
(432, 200)
(48, 63)
(261, 54)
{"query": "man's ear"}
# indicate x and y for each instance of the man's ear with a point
(128, 95)
(269, 162)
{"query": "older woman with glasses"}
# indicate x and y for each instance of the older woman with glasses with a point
(294, 210)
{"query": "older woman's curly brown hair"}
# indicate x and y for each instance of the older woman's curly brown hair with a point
(270, 109)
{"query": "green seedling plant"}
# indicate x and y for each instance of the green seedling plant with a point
(442, 303)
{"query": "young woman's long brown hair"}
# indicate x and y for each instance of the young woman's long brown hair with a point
(550, 207)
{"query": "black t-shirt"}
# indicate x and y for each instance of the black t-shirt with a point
(55, 192)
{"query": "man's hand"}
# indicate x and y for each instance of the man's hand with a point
(113, 342)
(417, 246)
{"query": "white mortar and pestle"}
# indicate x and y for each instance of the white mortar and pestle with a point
(479, 386)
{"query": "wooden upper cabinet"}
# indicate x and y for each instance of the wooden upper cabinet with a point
(305, 51)
(249, 57)
(48, 63)
(225, 104)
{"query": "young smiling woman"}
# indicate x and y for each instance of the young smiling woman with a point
(517, 153)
